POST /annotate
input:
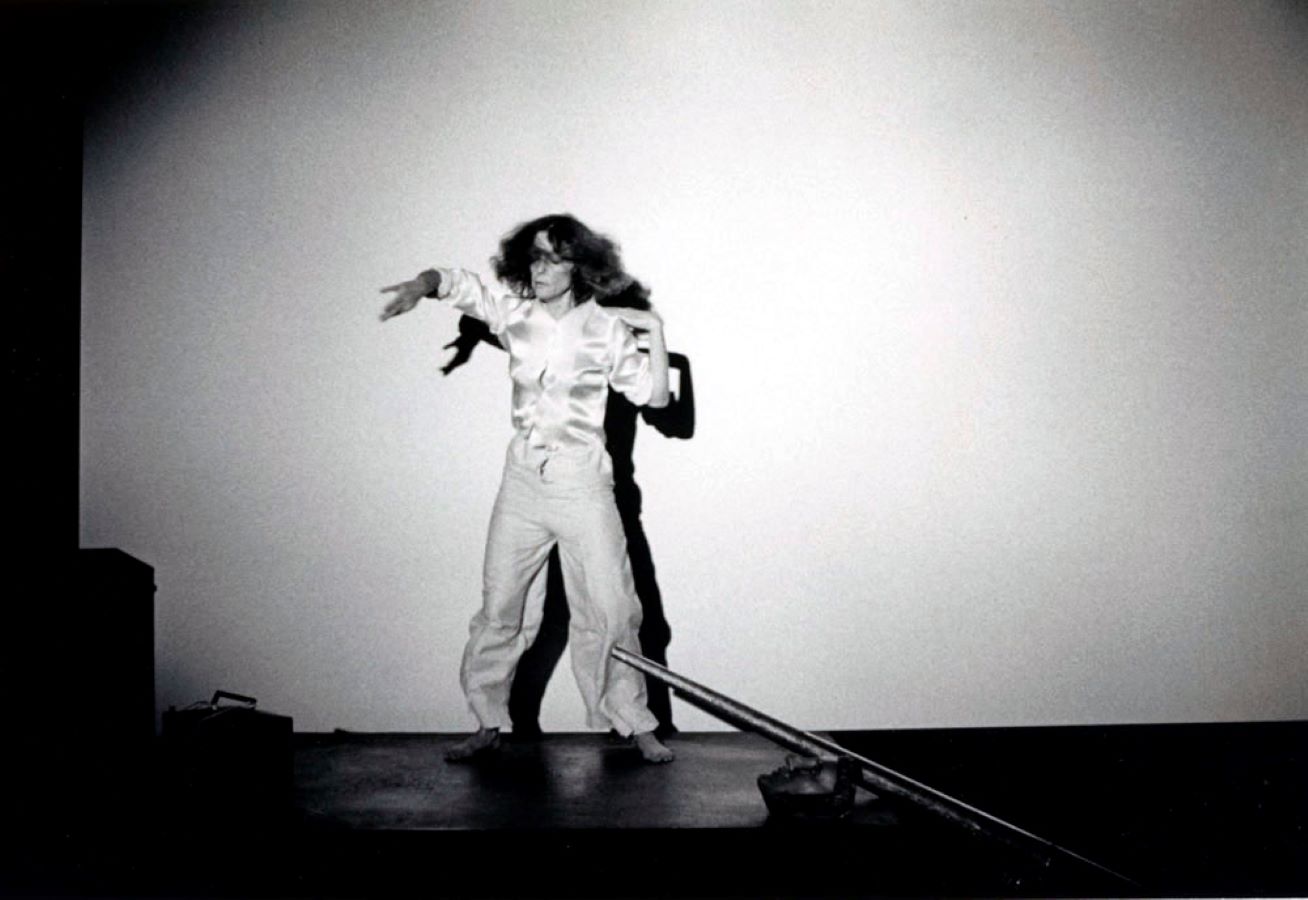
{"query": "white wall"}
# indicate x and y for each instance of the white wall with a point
(996, 313)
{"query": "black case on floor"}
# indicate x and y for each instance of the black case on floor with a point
(225, 761)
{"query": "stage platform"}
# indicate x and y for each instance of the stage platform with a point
(1184, 810)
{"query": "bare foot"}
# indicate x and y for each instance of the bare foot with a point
(480, 742)
(652, 749)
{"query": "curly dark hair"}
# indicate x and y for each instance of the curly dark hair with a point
(597, 271)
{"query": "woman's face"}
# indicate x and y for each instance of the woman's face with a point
(551, 275)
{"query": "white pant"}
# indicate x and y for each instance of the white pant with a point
(567, 499)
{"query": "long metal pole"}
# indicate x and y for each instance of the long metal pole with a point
(872, 775)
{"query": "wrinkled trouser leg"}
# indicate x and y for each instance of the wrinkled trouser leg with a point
(604, 612)
(513, 595)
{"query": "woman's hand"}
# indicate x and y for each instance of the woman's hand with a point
(408, 293)
(640, 319)
(648, 326)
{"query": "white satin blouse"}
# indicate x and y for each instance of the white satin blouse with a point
(561, 369)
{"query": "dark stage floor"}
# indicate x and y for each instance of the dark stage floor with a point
(1186, 810)
(579, 781)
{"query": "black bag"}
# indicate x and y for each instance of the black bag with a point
(226, 762)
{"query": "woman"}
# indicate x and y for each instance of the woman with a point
(567, 348)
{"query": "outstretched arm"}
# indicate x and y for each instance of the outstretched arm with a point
(648, 323)
(459, 288)
(408, 293)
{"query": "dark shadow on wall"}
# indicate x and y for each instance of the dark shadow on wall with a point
(676, 420)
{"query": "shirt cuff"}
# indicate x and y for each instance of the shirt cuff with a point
(431, 282)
